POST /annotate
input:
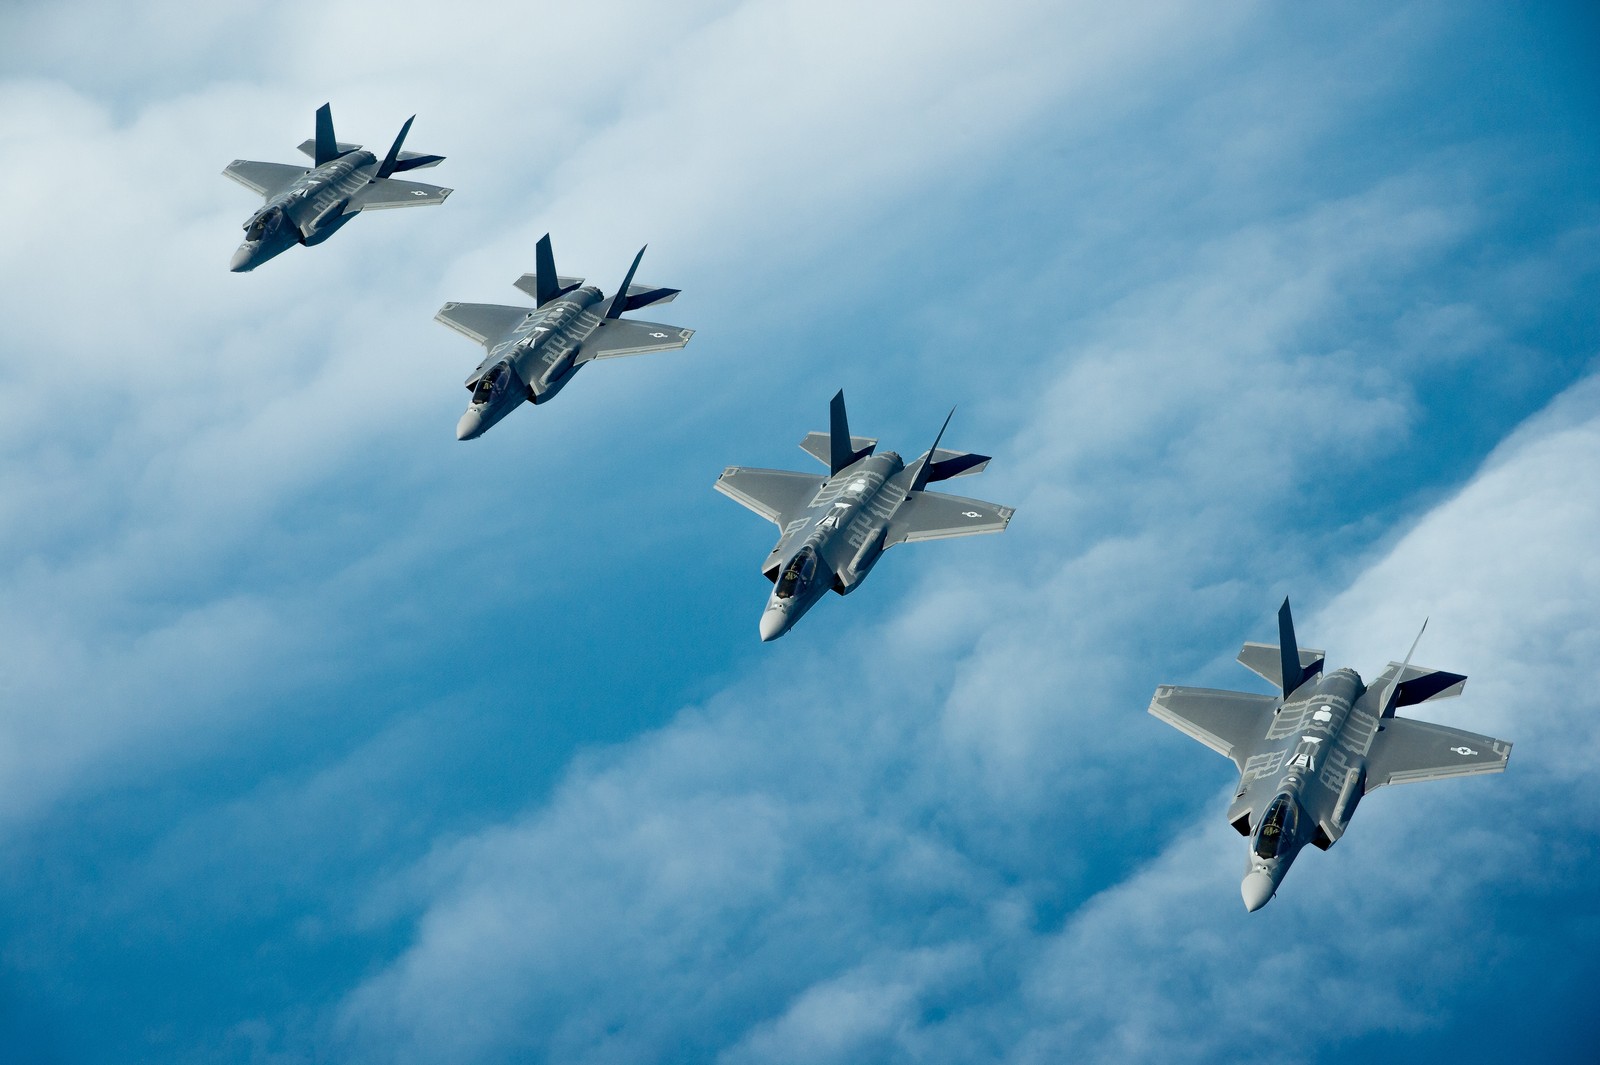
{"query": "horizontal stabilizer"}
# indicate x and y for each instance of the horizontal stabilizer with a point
(817, 446)
(1263, 660)
(485, 323)
(1407, 751)
(416, 161)
(945, 464)
(309, 147)
(1418, 684)
(529, 283)
(645, 295)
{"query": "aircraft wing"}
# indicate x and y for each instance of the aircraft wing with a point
(1229, 723)
(625, 336)
(482, 322)
(777, 495)
(268, 179)
(934, 516)
(392, 192)
(1408, 750)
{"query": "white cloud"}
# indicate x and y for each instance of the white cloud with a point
(1379, 930)
(205, 408)
(806, 852)
(859, 825)
(911, 839)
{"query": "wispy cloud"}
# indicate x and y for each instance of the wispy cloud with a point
(1218, 338)
(804, 871)
(208, 408)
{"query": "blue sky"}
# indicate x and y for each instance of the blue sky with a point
(329, 738)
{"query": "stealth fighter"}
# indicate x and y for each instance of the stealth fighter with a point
(1307, 756)
(535, 351)
(835, 528)
(307, 205)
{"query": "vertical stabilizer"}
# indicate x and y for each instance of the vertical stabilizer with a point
(1391, 698)
(619, 302)
(548, 287)
(840, 453)
(327, 146)
(925, 464)
(544, 284)
(836, 448)
(386, 168)
(1292, 672)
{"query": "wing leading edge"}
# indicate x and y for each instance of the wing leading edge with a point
(484, 322)
(1230, 723)
(392, 192)
(268, 179)
(936, 516)
(777, 495)
(1408, 751)
(626, 336)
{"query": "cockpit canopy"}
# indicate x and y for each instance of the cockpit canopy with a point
(798, 573)
(1277, 828)
(257, 227)
(491, 384)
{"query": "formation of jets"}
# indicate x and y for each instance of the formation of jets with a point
(1305, 756)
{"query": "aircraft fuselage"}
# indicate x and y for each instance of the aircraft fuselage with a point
(1313, 759)
(534, 362)
(308, 212)
(835, 542)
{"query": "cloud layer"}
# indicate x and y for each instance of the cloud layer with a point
(807, 871)
(328, 735)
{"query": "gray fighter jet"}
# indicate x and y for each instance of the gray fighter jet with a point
(307, 205)
(836, 527)
(535, 351)
(1307, 757)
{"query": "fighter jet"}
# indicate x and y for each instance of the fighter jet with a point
(1307, 757)
(307, 205)
(535, 351)
(836, 527)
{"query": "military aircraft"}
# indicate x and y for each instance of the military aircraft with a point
(1307, 757)
(836, 527)
(307, 205)
(535, 351)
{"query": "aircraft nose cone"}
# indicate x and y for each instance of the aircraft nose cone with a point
(1256, 888)
(470, 425)
(241, 260)
(773, 624)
